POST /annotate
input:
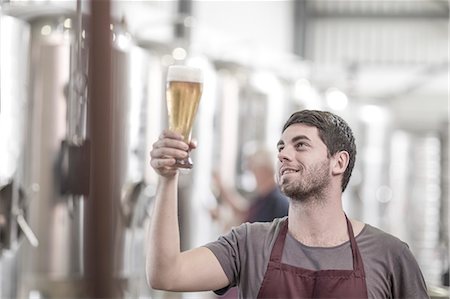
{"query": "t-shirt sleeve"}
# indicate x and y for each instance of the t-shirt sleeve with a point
(226, 250)
(408, 281)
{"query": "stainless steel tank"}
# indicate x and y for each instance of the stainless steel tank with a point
(59, 162)
(135, 100)
(14, 105)
(54, 268)
(246, 96)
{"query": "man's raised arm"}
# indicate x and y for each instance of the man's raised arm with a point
(167, 267)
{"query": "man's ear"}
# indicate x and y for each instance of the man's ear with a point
(340, 162)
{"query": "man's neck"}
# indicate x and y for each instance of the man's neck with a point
(318, 223)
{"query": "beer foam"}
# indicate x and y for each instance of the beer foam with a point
(184, 73)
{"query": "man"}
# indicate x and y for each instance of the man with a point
(315, 252)
(267, 203)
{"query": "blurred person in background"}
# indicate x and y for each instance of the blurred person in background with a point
(266, 204)
(315, 252)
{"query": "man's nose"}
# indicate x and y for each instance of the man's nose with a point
(284, 155)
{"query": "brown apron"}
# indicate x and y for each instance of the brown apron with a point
(286, 281)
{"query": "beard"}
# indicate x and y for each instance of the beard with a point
(309, 184)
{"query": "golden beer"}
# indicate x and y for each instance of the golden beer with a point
(182, 103)
(183, 93)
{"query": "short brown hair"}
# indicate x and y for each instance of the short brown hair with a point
(333, 131)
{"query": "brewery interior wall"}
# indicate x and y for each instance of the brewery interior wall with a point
(382, 66)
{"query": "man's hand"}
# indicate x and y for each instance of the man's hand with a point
(169, 147)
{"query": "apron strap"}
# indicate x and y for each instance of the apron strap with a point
(358, 266)
(277, 250)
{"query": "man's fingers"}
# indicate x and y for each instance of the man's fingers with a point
(193, 144)
(161, 163)
(171, 143)
(169, 147)
(170, 134)
(157, 153)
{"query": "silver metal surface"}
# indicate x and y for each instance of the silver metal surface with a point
(14, 101)
(55, 218)
(14, 47)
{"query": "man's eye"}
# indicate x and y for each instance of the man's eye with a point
(300, 145)
(280, 149)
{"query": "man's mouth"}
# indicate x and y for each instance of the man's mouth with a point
(286, 170)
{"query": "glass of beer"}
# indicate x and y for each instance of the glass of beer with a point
(183, 92)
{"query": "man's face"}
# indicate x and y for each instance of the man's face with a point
(303, 162)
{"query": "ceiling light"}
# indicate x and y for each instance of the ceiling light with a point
(179, 53)
(336, 99)
(46, 30)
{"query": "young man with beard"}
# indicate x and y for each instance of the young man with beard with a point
(315, 252)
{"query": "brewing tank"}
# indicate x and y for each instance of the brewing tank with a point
(59, 160)
(54, 268)
(14, 106)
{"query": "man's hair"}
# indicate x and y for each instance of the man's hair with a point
(333, 131)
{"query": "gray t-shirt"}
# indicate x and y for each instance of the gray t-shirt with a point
(391, 269)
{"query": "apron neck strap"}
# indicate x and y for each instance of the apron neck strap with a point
(357, 260)
(277, 250)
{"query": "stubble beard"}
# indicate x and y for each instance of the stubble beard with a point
(311, 186)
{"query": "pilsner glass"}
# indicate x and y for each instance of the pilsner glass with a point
(183, 92)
